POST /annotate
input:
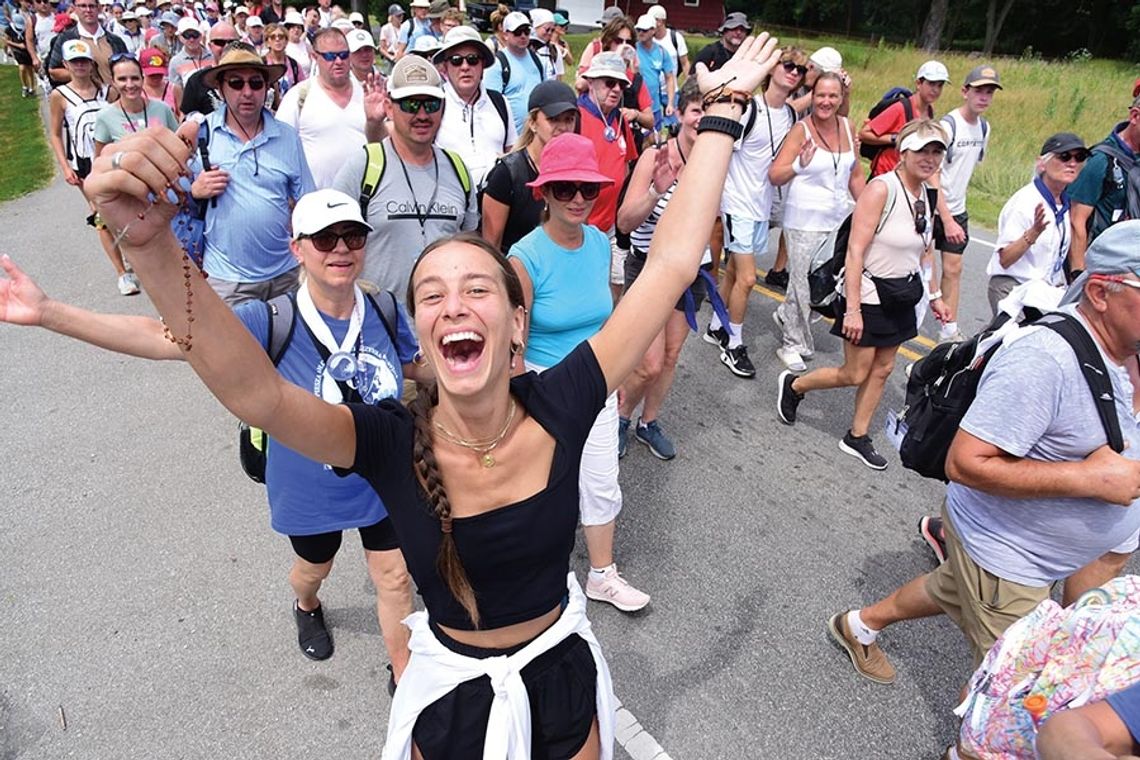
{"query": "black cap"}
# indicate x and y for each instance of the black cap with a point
(734, 21)
(1061, 142)
(552, 97)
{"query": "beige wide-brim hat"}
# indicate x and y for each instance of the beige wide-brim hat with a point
(238, 58)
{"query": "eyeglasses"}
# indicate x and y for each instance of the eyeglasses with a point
(1080, 155)
(522, 31)
(340, 55)
(278, 36)
(221, 43)
(611, 83)
(85, 6)
(793, 66)
(190, 34)
(326, 240)
(565, 191)
(471, 59)
(257, 84)
(920, 216)
(429, 105)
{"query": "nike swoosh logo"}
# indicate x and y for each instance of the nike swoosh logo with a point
(336, 205)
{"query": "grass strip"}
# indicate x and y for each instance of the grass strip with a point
(24, 153)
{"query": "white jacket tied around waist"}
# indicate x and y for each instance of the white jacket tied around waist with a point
(434, 670)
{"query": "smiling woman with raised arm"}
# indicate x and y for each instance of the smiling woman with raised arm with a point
(481, 475)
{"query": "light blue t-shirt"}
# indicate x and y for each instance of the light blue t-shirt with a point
(412, 29)
(1126, 704)
(654, 62)
(525, 76)
(1034, 402)
(306, 497)
(572, 297)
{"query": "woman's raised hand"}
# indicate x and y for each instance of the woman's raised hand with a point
(133, 183)
(752, 62)
(21, 300)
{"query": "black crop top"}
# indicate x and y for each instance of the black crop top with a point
(516, 556)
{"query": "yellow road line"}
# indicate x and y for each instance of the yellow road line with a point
(911, 354)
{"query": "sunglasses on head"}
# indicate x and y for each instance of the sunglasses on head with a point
(471, 59)
(429, 105)
(920, 216)
(257, 84)
(340, 55)
(190, 34)
(793, 66)
(1080, 155)
(565, 191)
(326, 240)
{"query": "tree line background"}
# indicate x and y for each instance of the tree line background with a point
(1050, 28)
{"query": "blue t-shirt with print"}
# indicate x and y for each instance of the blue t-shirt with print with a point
(307, 497)
(572, 297)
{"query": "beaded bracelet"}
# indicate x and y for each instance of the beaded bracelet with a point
(730, 127)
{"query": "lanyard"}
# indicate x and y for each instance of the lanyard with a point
(422, 214)
(130, 121)
(611, 132)
(1059, 213)
(340, 364)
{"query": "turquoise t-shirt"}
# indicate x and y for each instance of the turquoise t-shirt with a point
(114, 122)
(572, 297)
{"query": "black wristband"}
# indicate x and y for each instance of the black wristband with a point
(730, 127)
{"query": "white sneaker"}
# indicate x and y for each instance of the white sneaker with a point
(128, 284)
(791, 359)
(954, 337)
(615, 590)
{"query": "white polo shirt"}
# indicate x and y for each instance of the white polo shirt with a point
(1045, 258)
(475, 131)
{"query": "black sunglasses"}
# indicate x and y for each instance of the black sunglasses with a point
(429, 105)
(920, 216)
(611, 83)
(190, 34)
(1077, 154)
(326, 240)
(565, 191)
(221, 43)
(793, 66)
(257, 84)
(522, 31)
(472, 59)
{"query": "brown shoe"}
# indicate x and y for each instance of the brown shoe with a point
(869, 661)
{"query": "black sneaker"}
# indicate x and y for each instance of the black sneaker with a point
(863, 449)
(717, 337)
(777, 278)
(930, 528)
(737, 361)
(312, 633)
(787, 399)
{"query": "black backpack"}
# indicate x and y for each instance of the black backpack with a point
(943, 384)
(890, 97)
(253, 443)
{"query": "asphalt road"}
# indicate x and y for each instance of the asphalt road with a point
(146, 612)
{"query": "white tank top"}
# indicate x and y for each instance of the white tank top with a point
(44, 31)
(817, 198)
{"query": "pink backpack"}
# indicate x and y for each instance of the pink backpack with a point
(1068, 656)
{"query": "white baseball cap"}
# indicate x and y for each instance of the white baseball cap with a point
(356, 17)
(254, 21)
(540, 16)
(515, 20)
(142, 10)
(358, 39)
(657, 12)
(343, 24)
(827, 59)
(241, 9)
(77, 50)
(645, 22)
(324, 208)
(187, 24)
(933, 71)
(293, 16)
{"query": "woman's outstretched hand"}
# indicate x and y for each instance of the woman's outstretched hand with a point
(133, 183)
(752, 62)
(21, 300)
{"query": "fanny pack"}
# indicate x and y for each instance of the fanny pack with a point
(896, 293)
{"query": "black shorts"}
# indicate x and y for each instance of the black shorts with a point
(880, 327)
(320, 548)
(635, 262)
(82, 167)
(561, 685)
(944, 245)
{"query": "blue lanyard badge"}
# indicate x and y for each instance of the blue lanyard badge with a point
(1059, 217)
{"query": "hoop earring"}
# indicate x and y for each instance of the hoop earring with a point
(419, 359)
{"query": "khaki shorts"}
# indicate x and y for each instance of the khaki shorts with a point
(980, 603)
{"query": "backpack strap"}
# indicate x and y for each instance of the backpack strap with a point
(374, 164)
(1092, 367)
(386, 308)
(537, 63)
(282, 311)
(908, 108)
(504, 67)
(952, 130)
(753, 111)
(500, 104)
(460, 170)
(985, 138)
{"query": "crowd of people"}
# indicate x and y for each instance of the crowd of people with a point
(494, 271)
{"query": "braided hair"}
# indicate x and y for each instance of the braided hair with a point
(447, 562)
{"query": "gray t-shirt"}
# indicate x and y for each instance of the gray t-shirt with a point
(1034, 402)
(408, 211)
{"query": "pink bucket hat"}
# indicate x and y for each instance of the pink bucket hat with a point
(569, 157)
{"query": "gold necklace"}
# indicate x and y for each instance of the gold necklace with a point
(482, 448)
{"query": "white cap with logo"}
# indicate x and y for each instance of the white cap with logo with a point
(324, 208)
(933, 71)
